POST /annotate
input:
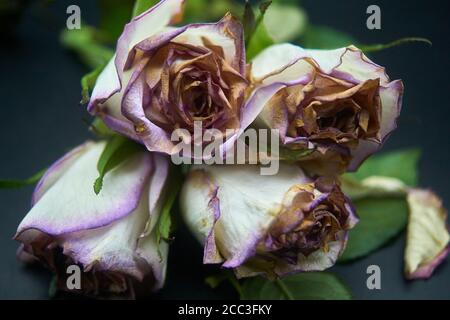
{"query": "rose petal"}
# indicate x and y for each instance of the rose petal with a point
(149, 23)
(349, 64)
(57, 170)
(71, 205)
(226, 34)
(110, 81)
(155, 254)
(112, 247)
(201, 209)
(427, 235)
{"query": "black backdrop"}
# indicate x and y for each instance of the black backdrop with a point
(41, 119)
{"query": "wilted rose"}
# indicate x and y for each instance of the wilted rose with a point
(111, 236)
(164, 78)
(333, 107)
(271, 225)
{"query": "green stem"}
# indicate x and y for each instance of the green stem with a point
(379, 47)
(236, 284)
(10, 184)
(284, 289)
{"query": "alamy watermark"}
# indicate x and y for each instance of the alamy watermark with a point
(232, 146)
(73, 21)
(374, 280)
(373, 22)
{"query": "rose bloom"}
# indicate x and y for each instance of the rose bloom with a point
(268, 225)
(333, 107)
(111, 236)
(164, 78)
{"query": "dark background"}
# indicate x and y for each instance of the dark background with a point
(41, 119)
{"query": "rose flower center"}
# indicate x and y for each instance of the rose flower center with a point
(195, 84)
(325, 111)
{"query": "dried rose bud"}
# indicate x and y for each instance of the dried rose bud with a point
(333, 107)
(271, 225)
(111, 236)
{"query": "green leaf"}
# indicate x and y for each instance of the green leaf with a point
(165, 220)
(257, 37)
(209, 11)
(88, 83)
(87, 42)
(395, 43)
(381, 219)
(402, 165)
(11, 184)
(248, 21)
(303, 286)
(321, 37)
(226, 275)
(215, 280)
(114, 14)
(260, 40)
(53, 287)
(141, 6)
(99, 127)
(293, 19)
(116, 151)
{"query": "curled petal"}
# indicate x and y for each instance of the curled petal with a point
(391, 100)
(349, 64)
(147, 24)
(227, 35)
(427, 235)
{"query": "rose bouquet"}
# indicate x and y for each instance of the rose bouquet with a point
(177, 83)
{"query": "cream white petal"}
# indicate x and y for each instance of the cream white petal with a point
(427, 236)
(70, 204)
(58, 169)
(112, 247)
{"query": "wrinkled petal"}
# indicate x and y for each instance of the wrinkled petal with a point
(349, 64)
(147, 24)
(391, 100)
(227, 34)
(427, 235)
(280, 63)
